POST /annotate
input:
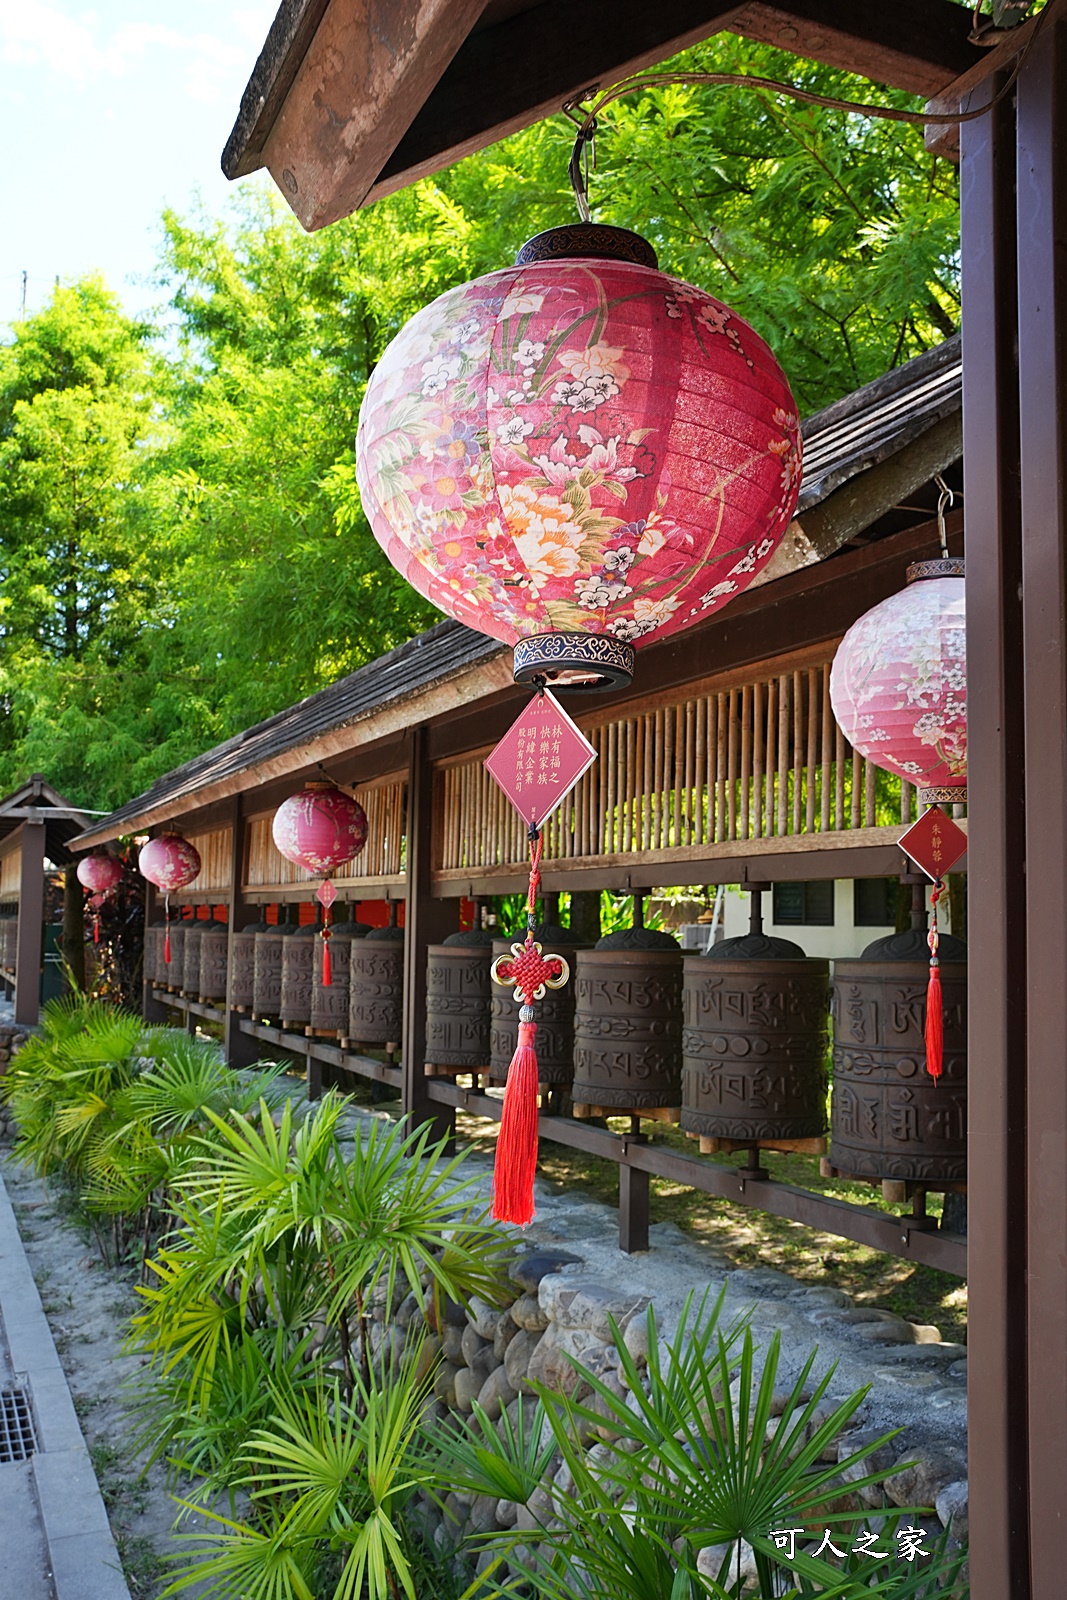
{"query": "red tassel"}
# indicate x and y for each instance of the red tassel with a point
(166, 946)
(327, 971)
(516, 1148)
(96, 930)
(935, 1033)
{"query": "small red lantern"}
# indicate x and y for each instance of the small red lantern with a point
(98, 873)
(898, 688)
(170, 862)
(320, 829)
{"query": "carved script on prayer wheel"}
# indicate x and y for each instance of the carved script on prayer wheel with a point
(190, 968)
(628, 1029)
(458, 997)
(329, 1002)
(172, 970)
(376, 987)
(10, 926)
(153, 953)
(298, 967)
(888, 1118)
(244, 964)
(754, 1046)
(267, 982)
(555, 1016)
(214, 952)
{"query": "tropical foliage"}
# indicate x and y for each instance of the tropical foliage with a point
(182, 548)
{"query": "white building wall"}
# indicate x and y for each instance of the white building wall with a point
(842, 939)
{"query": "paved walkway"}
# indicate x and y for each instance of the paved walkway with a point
(55, 1542)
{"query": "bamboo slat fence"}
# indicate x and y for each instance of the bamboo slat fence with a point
(759, 760)
(382, 857)
(216, 855)
(11, 874)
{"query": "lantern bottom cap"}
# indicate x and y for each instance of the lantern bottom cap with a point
(574, 661)
(943, 795)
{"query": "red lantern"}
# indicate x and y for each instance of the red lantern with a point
(99, 873)
(898, 688)
(170, 862)
(573, 454)
(320, 829)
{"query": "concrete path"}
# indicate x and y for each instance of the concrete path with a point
(55, 1541)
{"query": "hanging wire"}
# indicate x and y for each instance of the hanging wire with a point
(578, 166)
(946, 500)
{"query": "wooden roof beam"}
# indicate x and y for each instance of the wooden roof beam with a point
(353, 99)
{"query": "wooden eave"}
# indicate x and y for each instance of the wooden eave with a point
(351, 100)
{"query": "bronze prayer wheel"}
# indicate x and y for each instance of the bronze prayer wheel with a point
(267, 982)
(376, 987)
(190, 978)
(888, 1117)
(458, 997)
(628, 1023)
(244, 964)
(214, 958)
(298, 966)
(555, 1014)
(152, 967)
(172, 971)
(10, 927)
(756, 1015)
(329, 1004)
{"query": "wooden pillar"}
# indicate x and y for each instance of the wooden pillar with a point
(1041, 188)
(31, 924)
(1015, 444)
(426, 921)
(74, 926)
(241, 1051)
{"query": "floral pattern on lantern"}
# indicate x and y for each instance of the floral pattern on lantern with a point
(898, 685)
(582, 445)
(99, 873)
(170, 862)
(320, 828)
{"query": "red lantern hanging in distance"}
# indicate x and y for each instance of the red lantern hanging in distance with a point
(898, 688)
(320, 829)
(575, 455)
(171, 863)
(98, 874)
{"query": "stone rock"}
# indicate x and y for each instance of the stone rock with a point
(482, 1517)
(924, 1354)
(507, 1513)
(856, 1315)
(585, 1303)
(742, 1561)
(495, 1393)
(875, 1461)
(933, 1470)
(760, 1281)
(598, 1404)
(407, 1309)
(428, 1355)
(472, 1345)
(526, 1313)
(635, 1338)
(452, 1344)
(444, 1385)
(484, 1318)
(823, 1297)
(896, 1332)
(468, 1386)
(958, 1369)
(517, 1359)
(951, 1508)
(528, 1271)
(550, 1366)
(505, 1332)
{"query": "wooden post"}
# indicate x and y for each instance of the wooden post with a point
(426, 921)
(633, 1208)
(31, 924)
(241, 1051)
(74, 926)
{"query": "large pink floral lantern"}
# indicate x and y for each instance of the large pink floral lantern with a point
(320, 829)
(98, 874)
(170, 862)
(578, 452)
(898, 685)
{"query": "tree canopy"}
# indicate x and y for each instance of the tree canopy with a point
(182, 548)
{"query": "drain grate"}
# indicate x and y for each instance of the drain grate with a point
(17, 1438)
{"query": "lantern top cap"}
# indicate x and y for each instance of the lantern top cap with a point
(587, 241)
(319, 786)
(944, 567)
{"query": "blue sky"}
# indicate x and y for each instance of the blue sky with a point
(107, 114)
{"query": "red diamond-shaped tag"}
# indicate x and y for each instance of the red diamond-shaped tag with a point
(540, 759)
(326, 894)
(934, 843)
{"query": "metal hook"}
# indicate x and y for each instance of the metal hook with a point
(946, 499)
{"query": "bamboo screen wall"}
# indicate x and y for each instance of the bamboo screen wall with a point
(11, 875)
(216, 851)
(758, 760)
(382, 857)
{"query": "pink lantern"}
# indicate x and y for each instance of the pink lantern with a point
(898, 685)
(578, 452)
(320, 829)
(99, 873)
(170, 862)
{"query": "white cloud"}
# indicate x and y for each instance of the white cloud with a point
(84, 49)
